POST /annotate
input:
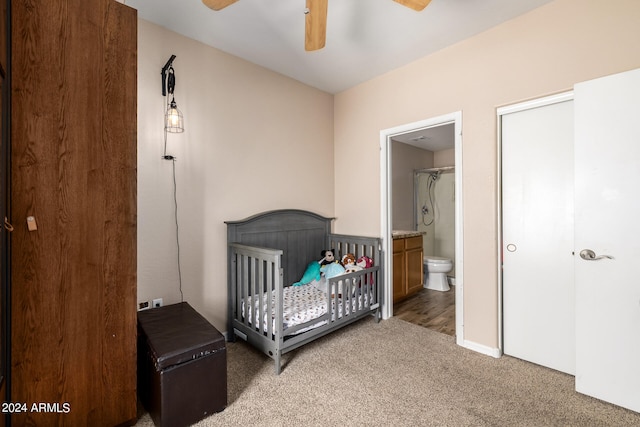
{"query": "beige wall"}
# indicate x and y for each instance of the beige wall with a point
(257, 140)
(543, 52)
(254, 141)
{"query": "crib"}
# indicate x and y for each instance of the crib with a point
(270, 251)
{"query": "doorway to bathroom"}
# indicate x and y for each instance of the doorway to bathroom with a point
(421, 191)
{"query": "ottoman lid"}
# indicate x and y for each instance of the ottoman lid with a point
(177, 333)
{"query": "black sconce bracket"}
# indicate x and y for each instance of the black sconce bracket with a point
(164, 75)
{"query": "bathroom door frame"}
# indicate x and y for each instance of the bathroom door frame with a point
(386, 135)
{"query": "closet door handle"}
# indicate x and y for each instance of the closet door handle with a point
(589, 255)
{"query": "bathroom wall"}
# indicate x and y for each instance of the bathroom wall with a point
(405, 159)
(444, 158)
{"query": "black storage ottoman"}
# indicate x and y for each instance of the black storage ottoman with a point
(182, 365)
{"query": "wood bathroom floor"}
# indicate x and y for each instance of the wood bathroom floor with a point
(431, 309)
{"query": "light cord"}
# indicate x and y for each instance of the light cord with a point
(175, 204)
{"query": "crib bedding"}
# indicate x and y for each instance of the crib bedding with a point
(302, 304)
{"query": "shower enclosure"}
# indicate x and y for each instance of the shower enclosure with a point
(434, 205)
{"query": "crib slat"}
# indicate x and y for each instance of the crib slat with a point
(232, 306)
(258, 292)
(269, 281)
(279, 309)
(244, 283)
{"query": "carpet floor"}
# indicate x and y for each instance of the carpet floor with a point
(400, 374)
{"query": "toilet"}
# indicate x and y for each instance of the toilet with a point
(435, 273)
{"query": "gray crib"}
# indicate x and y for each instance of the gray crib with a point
(270, 251)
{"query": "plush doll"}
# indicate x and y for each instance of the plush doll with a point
(364, 262)
(327, 257)
(310, 274)
(349, 263)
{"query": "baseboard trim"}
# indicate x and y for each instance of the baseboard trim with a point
(480, 348)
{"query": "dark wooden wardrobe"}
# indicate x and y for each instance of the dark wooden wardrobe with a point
(73, 209)
(4, 198)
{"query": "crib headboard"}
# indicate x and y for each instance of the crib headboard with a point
(301, 235)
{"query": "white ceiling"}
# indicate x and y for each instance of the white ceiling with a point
(365, 38)
(435, 138)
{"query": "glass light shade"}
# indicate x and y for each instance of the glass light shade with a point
(173, 120)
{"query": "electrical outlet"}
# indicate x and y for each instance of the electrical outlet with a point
(143, 305)
(157, 302)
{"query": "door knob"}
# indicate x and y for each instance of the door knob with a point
(589, 255)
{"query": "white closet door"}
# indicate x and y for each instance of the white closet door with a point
(537, 223)
(607, 186)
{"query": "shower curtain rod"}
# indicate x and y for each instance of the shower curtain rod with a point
(432, 170)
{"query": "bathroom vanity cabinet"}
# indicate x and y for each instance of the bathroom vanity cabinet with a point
(408, 264)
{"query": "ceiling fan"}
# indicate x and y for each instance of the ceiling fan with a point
(315, 31)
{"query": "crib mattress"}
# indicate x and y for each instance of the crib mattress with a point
(302, 304)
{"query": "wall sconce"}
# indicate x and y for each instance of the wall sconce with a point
(173, 119)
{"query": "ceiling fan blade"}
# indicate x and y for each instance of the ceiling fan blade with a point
(315, 24)
(416, 5)
(218, 4)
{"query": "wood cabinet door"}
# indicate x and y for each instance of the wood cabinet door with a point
(4, 201)
(407, 267)
(73, 163)
(399, 274)
(415, 262)
(415, 276)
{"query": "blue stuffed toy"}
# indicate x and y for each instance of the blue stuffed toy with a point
(310, 274)
(332, 270)
(329, 265)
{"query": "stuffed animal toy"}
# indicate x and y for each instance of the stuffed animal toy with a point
(310, 274)
(332, 270)
(327, 257)
(348, 259)
(349, 263)
(364, 262)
